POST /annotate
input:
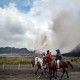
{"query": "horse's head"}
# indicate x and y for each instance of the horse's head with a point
(33, 62)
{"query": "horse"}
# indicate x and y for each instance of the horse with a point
(33, 62)
(39, 62)
(53, 67)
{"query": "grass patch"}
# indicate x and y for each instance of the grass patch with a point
(73, 59)
(15, 60)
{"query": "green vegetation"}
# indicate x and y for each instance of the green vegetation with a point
(15, 60)
(74, 59)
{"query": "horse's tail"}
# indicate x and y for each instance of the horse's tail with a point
(68, 62)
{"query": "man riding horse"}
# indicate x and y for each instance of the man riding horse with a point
(47, 55)
(58, 58)
(52, 66)
(61, 64)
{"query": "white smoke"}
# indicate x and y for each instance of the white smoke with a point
(50, 24)
(64, 32)
(67, 29)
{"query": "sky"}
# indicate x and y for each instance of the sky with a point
(40, 24)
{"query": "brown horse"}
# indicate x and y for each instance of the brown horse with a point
(33, 62)
(53, 67)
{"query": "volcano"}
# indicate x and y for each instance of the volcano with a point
(74, 53)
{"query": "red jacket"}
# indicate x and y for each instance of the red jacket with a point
(49, 55)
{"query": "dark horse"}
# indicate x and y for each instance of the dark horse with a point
(53, 67)
(33, 62)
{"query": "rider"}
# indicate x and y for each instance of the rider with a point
(58, 58)
(48, 55)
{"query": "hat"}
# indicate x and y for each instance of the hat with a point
(57, 50)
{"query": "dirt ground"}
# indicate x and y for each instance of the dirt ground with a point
(26, 72)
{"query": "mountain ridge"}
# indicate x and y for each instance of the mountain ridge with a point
(15, 50)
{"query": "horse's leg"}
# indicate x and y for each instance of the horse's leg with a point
(45, 70)
(50, 74)
(37, 70)
(47, 73)
(54, 74)
(62, 74)
(42, 71)
(67, 73)
(32, 65)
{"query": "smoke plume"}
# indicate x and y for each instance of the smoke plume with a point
(63, 34)
(67, 28)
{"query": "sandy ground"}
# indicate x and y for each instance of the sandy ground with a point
(26, 72)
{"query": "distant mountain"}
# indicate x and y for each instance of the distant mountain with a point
(74, 53)
(12, 50)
